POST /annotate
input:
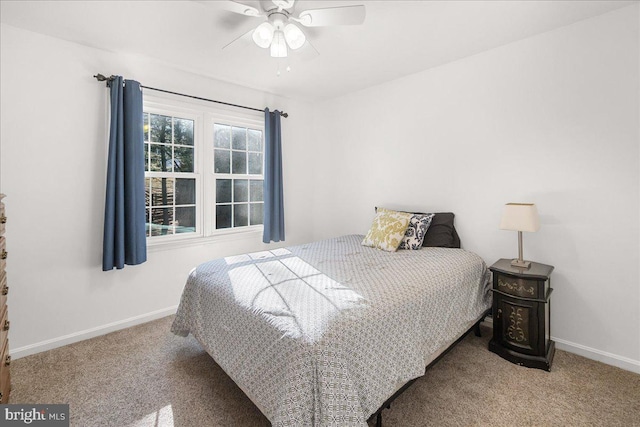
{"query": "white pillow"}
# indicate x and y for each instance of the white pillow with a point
(418, 226)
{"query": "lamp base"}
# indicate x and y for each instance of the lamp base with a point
(520, 263)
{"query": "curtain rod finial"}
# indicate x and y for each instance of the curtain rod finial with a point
(103, 78)
(285, 115)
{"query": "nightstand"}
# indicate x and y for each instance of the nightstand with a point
(521, 314)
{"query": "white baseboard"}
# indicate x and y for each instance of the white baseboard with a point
(591, 353)
(601, 356)
(27, 350)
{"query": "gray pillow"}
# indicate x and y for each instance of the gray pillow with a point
(441, 232)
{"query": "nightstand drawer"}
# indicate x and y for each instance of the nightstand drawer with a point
(518, 287)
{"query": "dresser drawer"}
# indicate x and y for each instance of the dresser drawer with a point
(5, 375)
(4, 289)
(3, 218)
(3, 253)
(4, 324)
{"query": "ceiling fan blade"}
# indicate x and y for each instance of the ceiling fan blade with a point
(306, 53)
(285, 4)
(235, 7)
(240, 42)
(346, 15)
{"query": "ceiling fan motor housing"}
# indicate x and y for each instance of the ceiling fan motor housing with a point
(278, 19)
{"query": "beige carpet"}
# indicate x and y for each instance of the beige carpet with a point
(145, 376)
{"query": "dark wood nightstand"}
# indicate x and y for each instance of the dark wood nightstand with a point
(521, 314)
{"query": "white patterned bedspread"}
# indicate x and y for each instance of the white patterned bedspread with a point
(322, 334)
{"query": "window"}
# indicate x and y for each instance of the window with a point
(170, 182)
(204, 171)
(238, 165)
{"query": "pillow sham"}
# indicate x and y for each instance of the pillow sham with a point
(441, 232)
(414, 236)
(387, 230)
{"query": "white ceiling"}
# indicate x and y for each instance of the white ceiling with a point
(398, 37)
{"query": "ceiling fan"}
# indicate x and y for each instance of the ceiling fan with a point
(279, 32)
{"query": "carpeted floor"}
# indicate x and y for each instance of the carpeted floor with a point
(145, 376)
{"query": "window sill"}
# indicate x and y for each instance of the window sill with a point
(221, 237)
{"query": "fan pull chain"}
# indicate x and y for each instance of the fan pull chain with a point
(278, 73)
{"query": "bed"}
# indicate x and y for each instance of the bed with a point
(325, 333)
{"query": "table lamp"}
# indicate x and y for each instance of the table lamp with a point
(520, 217)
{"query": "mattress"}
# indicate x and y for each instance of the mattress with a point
(321, 334)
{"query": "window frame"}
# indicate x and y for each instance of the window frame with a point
(204, 115)
(242, 122)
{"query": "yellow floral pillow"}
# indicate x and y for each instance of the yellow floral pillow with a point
(387, 230)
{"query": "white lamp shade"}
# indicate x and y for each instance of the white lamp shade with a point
(263, 35)
(278, 45)
(520, 217)
(294, 36)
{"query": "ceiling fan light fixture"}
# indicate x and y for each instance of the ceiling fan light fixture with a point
(263, 35)
(278, 45)
(294, 36)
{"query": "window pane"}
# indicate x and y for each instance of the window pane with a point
(161, 158)
(183, 159)
(146, 156)
(240, 215)
(256, 213)
(256, 189)
(222, 161)
(239, 159)
(147, 192)
(161, 191)
(161, 221)
(223, 216)
(186, 220)
(255, 140)
(182, 131)
(255, 163)
(223, 191)
(160, 129)
(145, 126)
(185, 191)
(221, 136)
(239, 136)
(147, 224)
(240, 190)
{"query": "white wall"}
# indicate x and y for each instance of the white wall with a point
(54, 133)
(553, 119)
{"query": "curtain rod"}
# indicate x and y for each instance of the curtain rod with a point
(102, 78)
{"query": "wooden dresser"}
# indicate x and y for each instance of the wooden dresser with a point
(5, 358)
